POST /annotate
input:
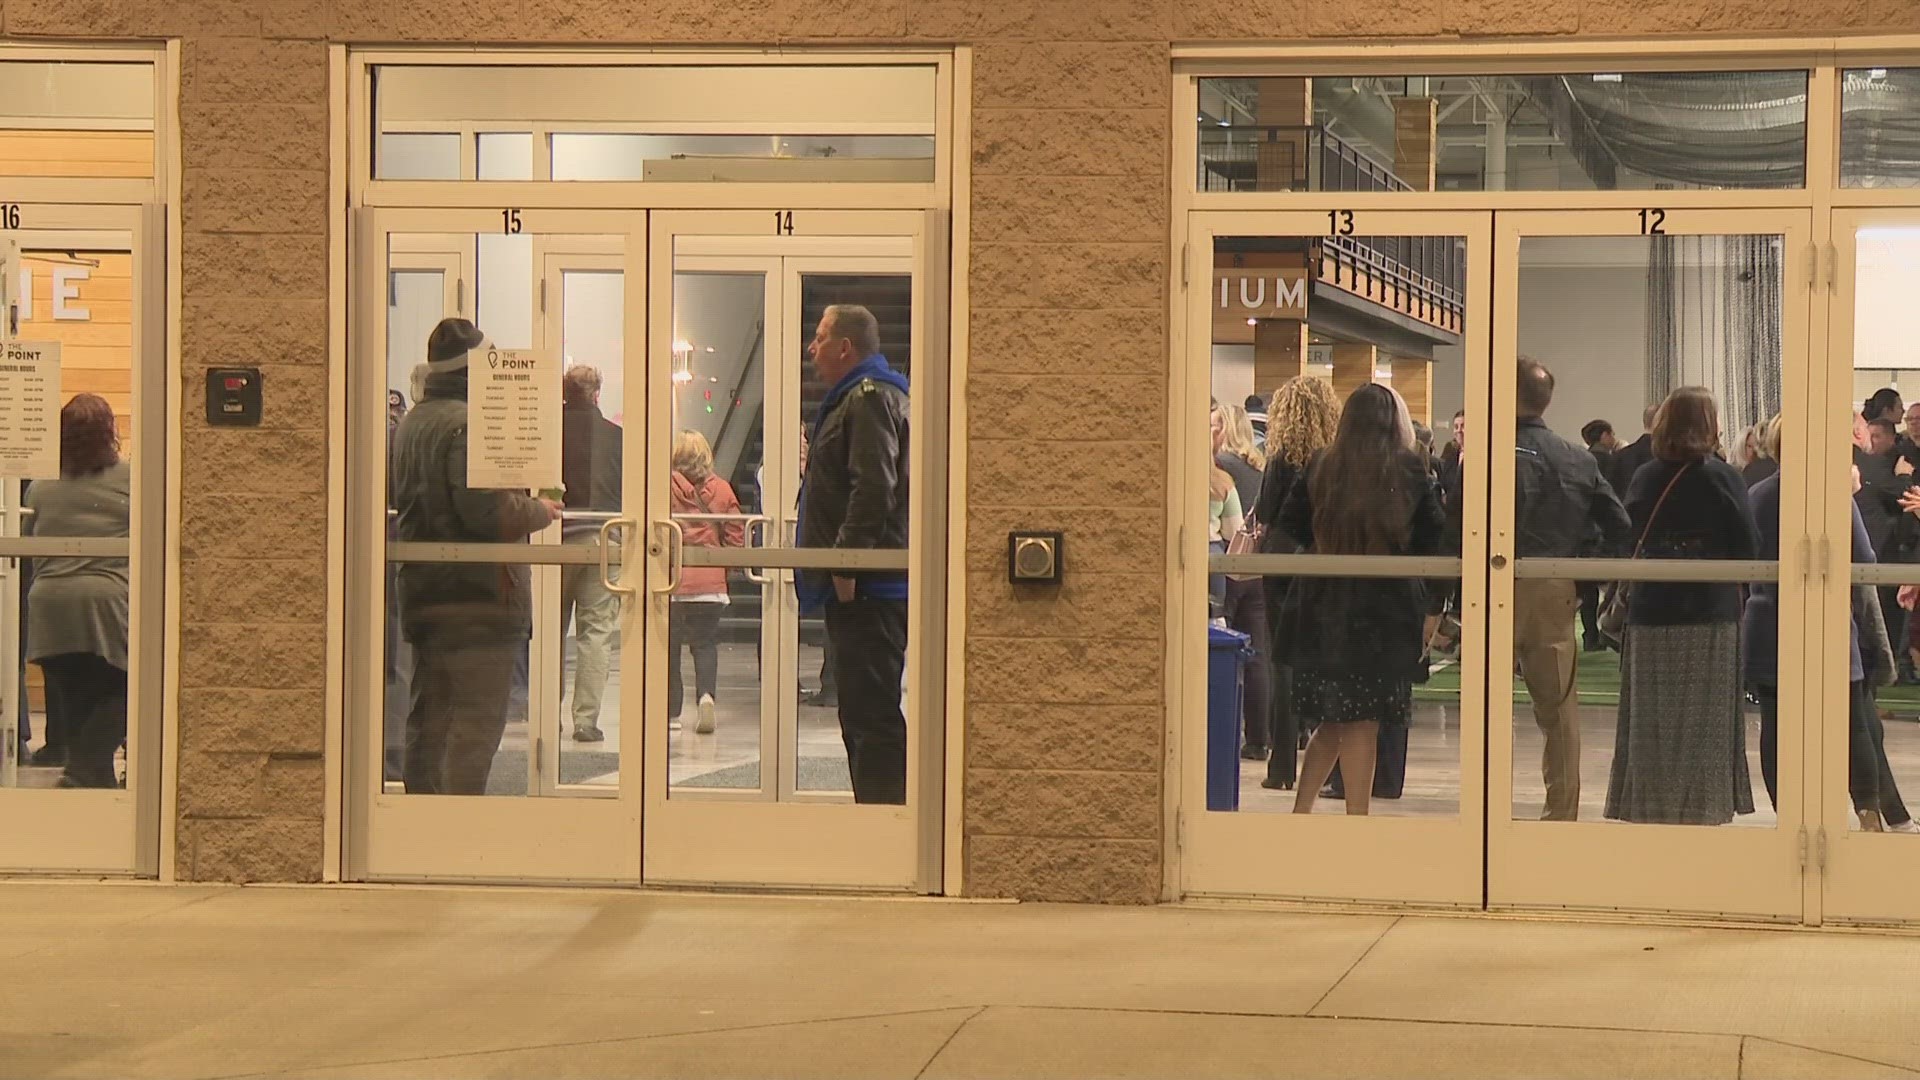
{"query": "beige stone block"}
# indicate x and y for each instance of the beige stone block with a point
(1070, 209)
(1082, 605)
(253, 721)
(216, 199)
(251, 526)
(831, 20)
(296, 396)
(1702, 16)
(1035, 143)
(1071, 75)
(1014, 473)
(1891, 16)
(1112, 408)
(1099, 539)
(221, 784)
(258, 656)
(216, 331)
(1089, 342)
(1069, 275)
(1064, 870)
(1064, 20)
(1344, 18)
(1103, 805)
(254, 266)
(134, 18)
(264, 460)
(259, 136)
(240, 850)
(1100, 738)
(1075, 671)
(1492, 17)
(486, 20)
(250, 71)
(296, 18)
(1197, 20)
(255, 590)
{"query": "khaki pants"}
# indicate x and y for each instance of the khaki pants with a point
(1543, 642)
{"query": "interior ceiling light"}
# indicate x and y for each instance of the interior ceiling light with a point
(1610, 77)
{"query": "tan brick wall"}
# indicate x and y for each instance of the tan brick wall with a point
(1067, 373)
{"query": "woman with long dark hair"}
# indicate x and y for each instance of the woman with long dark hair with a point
(1355, 643)
(77, 609)
(1680, 753)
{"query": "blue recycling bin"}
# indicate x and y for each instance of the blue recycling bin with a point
(1227, 655)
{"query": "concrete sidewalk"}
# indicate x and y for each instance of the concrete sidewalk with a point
(153, 981)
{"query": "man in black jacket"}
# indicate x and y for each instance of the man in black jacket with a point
(590, 467)
(1563, 509)
(1628, 459)
(467, 622)
(854, 497)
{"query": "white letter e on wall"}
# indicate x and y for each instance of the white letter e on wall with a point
(66, 288)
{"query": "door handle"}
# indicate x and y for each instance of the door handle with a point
(758, 521)
(609, 529)
(674, 550)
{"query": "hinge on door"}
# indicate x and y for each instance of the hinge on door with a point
(543, 296)
(1802, 845)
(1185, 268)
(1180, 830)
(1833, 267)
(540, 753)
(1826, 554)
(1820, 850)
(1813, 266)
(460, 296)
(1180, 549)
(1806, 561)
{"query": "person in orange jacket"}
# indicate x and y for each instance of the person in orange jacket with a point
(699, 496)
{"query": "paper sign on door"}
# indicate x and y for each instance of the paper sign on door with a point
(513, 426)
(30, 410)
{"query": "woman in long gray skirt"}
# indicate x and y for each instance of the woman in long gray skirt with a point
(1680, 753)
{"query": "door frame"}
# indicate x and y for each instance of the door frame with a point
(111, 832)
(1573, 866)
(394, 837)
(807, 843)
(1432, 862)
(1865, 878)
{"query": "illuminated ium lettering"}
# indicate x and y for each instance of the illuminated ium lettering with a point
(1287, 293)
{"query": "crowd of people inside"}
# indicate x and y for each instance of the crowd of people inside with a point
(1336, 658)
(465, 627)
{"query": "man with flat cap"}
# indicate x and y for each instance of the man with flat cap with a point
(467, 622)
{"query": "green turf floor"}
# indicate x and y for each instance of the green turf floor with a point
(1598, 683)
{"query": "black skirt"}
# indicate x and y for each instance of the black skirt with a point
(1329, 698)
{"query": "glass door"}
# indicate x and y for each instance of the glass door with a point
(1336, 749)
(793, 739)
(490, 544)
(1868, 747)
(82, 468)
(1639, 359)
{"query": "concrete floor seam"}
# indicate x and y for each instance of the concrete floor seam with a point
(1361, 1018)
(948, 1041)
(609, 1041)
(1351, 968)
(1776, 1040)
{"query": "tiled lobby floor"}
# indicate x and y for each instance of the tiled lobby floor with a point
(154, 981)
